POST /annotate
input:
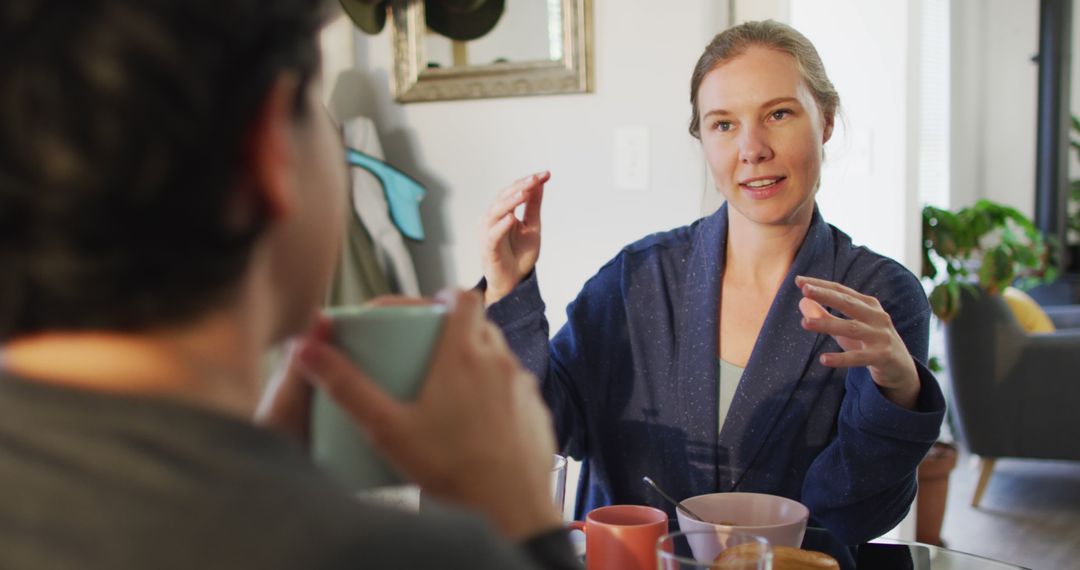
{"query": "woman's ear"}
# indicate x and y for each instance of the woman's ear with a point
(827, 131)
(270, 152)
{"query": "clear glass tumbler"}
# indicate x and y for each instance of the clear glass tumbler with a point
(558, 482)
(719, 549)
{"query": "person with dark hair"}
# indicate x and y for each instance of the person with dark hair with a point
(170, 198)
(757, 349)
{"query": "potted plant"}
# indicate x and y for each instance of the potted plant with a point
(933, 476)
(1073, 212)
(983, 248)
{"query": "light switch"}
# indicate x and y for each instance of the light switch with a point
(632, 158)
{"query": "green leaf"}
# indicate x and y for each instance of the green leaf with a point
(1026, 257)
(1050, 274)
(942, 303)
(929, 271)
(1014, 250)
(996, 270)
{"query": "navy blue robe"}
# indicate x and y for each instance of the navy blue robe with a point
(631, 380)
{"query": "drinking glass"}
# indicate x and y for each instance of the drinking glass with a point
(718, 549)
(558, 482)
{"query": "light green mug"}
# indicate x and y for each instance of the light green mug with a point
(393, 346)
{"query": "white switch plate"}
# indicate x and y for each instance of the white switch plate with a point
(632, 158)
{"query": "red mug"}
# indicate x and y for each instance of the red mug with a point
(622, 537)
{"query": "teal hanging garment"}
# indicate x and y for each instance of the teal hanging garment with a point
(403, 194)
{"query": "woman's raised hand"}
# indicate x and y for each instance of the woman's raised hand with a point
(512, 246)
(867, 336)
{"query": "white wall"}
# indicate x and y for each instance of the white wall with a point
(336, 42)
(866, 180)
(465, 151)
(994, 101)
(747, 10)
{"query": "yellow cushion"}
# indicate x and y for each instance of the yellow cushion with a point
(1027, 312)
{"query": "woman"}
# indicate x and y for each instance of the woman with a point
(818, 344)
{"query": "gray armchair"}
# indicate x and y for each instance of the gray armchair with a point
(1014, 394)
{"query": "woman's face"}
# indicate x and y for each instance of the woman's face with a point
(762, 133)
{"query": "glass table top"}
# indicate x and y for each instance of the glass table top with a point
(881, 554)
(887, 554)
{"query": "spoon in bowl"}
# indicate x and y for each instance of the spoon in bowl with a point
(678, 504)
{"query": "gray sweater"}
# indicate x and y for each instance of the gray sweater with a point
(96, 481)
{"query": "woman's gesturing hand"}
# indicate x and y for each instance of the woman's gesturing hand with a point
(512, 246)
(867, 336)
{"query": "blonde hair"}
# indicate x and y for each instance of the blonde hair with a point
(771, 34)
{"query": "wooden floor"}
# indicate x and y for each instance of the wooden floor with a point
(1029, 515)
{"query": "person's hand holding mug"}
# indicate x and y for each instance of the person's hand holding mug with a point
(512, 246)
(285, 405)
(478, 433)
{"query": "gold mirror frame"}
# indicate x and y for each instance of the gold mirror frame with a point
(414, 81)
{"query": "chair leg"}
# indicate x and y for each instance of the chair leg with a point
(986, 468)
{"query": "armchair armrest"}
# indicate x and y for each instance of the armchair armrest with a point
(1038, 359)
(1064, 316)
(1058, 344)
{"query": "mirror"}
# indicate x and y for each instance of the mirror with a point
(536, 47)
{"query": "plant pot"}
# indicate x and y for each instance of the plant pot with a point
(933, 477)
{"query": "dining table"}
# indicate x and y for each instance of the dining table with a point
(894, 554)
(891, 554)
(884, 554)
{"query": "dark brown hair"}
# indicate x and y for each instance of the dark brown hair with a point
(122, 130)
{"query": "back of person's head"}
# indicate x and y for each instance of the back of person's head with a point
(122, 141)
(771, 34)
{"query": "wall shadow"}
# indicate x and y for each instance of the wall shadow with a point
(362, 92)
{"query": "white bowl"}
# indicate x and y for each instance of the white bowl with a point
(779, 520)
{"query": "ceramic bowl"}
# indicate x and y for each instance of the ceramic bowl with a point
(779, 520)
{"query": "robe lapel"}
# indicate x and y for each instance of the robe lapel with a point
(780, 357)
(696, 342)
